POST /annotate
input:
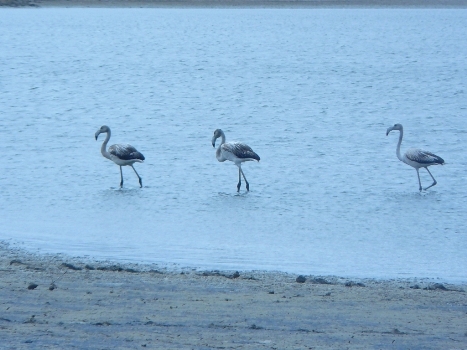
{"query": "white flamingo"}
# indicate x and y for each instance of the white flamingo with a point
(415, 157)
(120, 154)
(236, 152)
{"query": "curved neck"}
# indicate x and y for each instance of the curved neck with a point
(218, 151)
(104, 146)
(398, 149)
(222, 138)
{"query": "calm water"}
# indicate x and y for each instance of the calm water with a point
(311, 91)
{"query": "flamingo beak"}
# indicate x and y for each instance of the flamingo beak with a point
(389, 130)
(97, 134)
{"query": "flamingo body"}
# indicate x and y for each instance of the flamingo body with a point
(124, 154)
(416, 157)
(236, 152)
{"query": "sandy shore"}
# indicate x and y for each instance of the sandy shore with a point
(240, 3)
(57, 303)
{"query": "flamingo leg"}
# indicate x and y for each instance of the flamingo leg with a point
(247, 184)
(434, 181)
(139, 178)
(121, 177)
(239, 179)
(419, 182)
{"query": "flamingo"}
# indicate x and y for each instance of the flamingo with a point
(415, 157)
(236, 152)
(121, 154)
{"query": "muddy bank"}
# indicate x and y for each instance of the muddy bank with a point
(56, 302)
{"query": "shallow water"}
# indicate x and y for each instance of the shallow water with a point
(311, 91)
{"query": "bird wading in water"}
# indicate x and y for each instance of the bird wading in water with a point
(415, 157)
(236, 152)
(121, 154)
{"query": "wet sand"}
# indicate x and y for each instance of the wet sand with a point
(56, 302)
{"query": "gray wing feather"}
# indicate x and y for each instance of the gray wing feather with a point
(125, 152)
(423, 157)
(240, 150)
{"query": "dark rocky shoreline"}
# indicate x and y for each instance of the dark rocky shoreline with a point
(239, 3)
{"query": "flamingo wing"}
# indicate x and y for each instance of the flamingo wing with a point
(240, 150)
(423, 157)
(125, 152)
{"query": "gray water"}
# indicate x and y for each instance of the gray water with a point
(311, 91)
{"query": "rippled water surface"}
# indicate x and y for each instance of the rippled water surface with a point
(311, 91)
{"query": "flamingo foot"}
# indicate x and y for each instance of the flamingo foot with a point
(434, 183)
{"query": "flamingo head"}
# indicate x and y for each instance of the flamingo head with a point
(395, 127)
(103, 129)
(217, 133)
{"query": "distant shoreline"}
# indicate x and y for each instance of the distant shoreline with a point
(236, 3)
